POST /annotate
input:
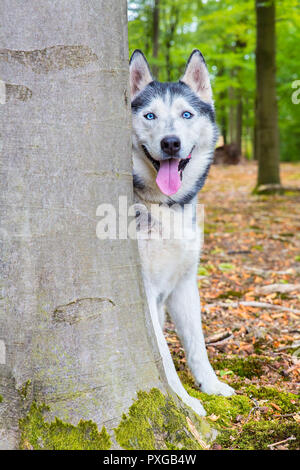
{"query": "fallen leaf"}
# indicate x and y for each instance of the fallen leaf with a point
(275, 406)
(213, 417)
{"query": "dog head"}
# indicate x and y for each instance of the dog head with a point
(174, 131)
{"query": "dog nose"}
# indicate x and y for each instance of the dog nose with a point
(170, 145)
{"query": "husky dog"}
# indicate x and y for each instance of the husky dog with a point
(174, 135)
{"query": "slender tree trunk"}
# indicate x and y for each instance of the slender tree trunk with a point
(267, 140)
(232, 115)
(224, 128)
(239, 122)
(254, 140)
(73, 314)
(174, 16)
(155, 36)
(249, 130)
(239, 103)
(223, 112)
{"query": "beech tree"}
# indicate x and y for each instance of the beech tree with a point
(267, 134)
(76, 342)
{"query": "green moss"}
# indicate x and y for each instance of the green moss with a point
(155, 422)
(229, 228)
(38, 434)
(258, 247)
(232, 412)
(287, 402)
(24, 390)
(210, 228)
(226, 267)
(257, 435)
(231, 294)
(243, 367)
(227, 408)
(254, 434)
(206, 270)
(202, 271)
(267, 190)
(259, 344)
(1, 398)
(185, 375)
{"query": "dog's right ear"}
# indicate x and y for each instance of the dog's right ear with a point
(139, 72)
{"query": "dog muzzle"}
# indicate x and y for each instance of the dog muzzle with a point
(169, 172)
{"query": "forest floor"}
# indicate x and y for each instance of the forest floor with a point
(251, 254)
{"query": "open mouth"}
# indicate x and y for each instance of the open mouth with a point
(169, 172)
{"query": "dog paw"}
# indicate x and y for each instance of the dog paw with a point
(195, 404)
(217, 388)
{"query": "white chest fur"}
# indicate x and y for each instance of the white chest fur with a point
(169, 244)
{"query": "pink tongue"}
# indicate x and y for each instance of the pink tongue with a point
(168, 177)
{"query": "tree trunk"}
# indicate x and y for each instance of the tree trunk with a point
(267, 140)
(174, 17)
(232, 115)
(155, 68)
(75, 335)
(224, 128)
(239, 122)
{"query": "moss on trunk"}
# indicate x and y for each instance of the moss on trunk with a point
(154, 421)
(38, 434)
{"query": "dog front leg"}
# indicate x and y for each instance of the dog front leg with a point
(183, 305)
(169, 368)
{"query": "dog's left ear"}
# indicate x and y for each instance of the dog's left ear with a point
(196, 76)
(139, 72)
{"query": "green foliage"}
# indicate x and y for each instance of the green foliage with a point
(38, 434)
(225, 32)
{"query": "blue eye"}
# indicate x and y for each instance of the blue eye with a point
(187, 115)
(150, 116)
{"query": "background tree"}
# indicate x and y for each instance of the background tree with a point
(267, 137)
(156, 25)
(73, 313)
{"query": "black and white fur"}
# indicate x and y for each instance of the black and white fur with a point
(170, 266)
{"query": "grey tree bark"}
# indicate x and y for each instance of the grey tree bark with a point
(75, 333)
(267, 134)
